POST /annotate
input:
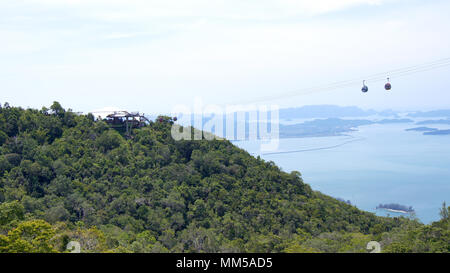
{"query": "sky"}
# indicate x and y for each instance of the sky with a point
(149, 56)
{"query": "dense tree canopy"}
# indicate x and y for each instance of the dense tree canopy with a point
(65, 177)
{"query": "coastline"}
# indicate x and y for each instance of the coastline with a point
(396, 211)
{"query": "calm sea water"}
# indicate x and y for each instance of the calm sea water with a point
(376, 164)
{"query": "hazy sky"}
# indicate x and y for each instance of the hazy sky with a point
(151, 55)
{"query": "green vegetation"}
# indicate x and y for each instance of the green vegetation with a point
(65, 177)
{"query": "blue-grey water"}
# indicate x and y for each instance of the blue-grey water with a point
(379, 163)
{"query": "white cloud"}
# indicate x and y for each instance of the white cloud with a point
(237, 9)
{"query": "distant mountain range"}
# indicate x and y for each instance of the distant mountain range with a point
(330, 127)
(333, 120)
(422, 129)
(438, 132)
(429, 114)
(330, 111)
(335, 111)
(438, 121)
(430, 131)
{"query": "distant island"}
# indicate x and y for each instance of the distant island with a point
(422, 129)
(331, 111)
(430, 131)
(435, 113)
(438, 133)
(396, 120)
(436, 121)
(330, 127)
(396, 208)
(321, 127)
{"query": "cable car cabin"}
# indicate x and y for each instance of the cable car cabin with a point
(388, 85)
(364, 89)
(124, 121)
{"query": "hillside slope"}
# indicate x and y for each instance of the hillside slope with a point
(67, 177)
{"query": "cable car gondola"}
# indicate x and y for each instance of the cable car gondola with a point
(388, 85)
(364, 89)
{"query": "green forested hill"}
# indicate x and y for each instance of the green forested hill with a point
(65, 177)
